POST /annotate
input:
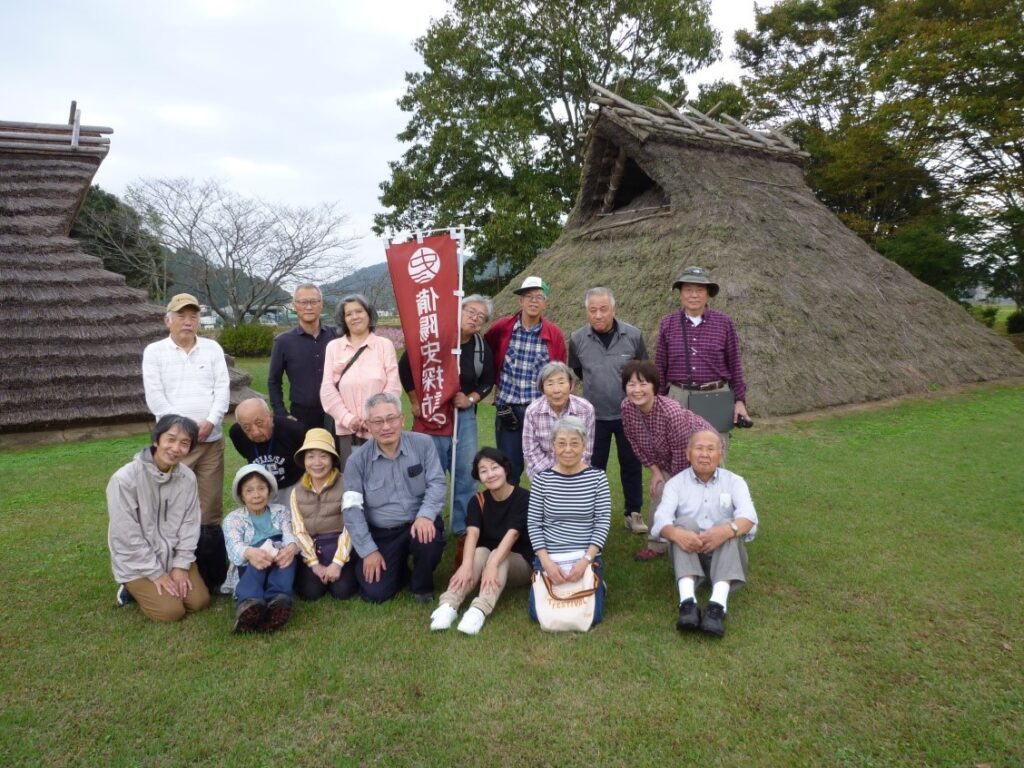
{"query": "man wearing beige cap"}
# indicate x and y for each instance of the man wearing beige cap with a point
(522, 344)
(186, 375)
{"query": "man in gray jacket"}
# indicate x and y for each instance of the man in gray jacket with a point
(597, 353)
(154, 525)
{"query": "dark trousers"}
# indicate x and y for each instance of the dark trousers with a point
(396, 546)
(211, 557)
(631, 472)
(511, 443)
(311, 416)
(266, 584)
(309, 587)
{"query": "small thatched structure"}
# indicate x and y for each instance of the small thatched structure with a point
(823, 319)
(73, 333)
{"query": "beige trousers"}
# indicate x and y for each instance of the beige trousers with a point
(514, 571)
(207, 461)
(167, 607)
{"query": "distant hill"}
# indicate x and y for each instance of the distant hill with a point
(373, 281)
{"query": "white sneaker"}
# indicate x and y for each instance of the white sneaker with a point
(442, 617)
(635, 523)
(472, 621)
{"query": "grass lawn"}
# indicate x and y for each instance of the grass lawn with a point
(881, 626)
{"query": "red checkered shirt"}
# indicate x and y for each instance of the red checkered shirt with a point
(714, 352)
(660, 438)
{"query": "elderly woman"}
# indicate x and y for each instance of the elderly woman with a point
(357, 365)
(570, 511)
(555, 382)
(500, 552)
(325, 563)
(659, 429)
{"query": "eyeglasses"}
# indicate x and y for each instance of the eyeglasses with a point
(380, 421)
(474, 314)
(308, 302)
(538, 296)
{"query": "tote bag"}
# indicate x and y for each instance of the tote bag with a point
(566, 607)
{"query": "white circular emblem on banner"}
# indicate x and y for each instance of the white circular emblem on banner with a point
(424, 265)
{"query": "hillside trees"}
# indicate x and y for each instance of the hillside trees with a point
(240, 252)
(497, 117)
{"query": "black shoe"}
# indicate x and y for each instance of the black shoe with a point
(248, 615)
(689, 616)
(714, 620)
(423, 597)
(277, 615)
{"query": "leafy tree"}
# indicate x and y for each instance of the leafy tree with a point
(498, 115)
(114, 231)
(238, 251)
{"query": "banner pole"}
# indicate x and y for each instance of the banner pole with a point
(458, 236)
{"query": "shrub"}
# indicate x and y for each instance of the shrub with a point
(247, 340)
(1015, 322)
(986, 315)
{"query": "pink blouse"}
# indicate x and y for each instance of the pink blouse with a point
(375, 371)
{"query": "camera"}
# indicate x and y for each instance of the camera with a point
(744, 423)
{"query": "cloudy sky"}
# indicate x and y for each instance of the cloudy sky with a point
(291, 102)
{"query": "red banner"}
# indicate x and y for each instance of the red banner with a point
(426, 278)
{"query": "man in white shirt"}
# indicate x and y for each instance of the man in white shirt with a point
(706, 513)
(186, 375)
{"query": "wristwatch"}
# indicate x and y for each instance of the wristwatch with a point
(735, 529)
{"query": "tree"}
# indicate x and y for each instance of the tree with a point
(498, 117)
(911, 112)
(237, 250)
(112, 230)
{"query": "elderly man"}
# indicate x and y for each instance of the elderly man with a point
(698, 349)
(299, 354)
(597, 353)
(522, 344)
(270, 441)
(186, 375)
(394, 492)
(154, 525)
(706, 513)
(476, 377)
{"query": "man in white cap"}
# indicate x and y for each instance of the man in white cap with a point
(522, 344)
(185, 374)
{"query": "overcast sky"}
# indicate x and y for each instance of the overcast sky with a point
(292, 102)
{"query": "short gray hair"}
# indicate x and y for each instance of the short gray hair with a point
(598, 290)
(553, 369)
(476, 298)
(307, 287)
(381, 398)
(572, 424)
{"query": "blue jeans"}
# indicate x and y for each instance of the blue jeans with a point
(465, 485)
(266, 584)
(511, 443)
(598, 596)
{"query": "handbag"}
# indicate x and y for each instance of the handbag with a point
(715, 406)
(566, 607)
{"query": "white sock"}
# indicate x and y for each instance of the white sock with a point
(720, 593)
(686, 588)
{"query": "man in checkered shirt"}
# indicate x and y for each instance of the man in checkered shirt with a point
(522, 344)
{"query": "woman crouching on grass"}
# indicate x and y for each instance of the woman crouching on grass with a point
(259, 540)
(325, 547)
(496, 535)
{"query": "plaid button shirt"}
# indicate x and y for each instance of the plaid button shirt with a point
(537, 424)
(660, 438)
(526, 355)
(714, 352)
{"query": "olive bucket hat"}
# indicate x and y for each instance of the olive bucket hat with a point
(321, 440)
(696, 276)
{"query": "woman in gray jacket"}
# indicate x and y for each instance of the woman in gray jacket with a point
(154, 525)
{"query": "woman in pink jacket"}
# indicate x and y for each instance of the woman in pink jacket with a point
(357, 365)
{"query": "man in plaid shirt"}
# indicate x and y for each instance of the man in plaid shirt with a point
(522, 343)
(714, 355)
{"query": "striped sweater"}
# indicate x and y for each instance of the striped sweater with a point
(569, 512)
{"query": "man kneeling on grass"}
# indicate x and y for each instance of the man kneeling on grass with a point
(154, 525)
(706, 513)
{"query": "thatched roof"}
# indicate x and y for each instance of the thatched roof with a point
(823, 319)
(73, 333)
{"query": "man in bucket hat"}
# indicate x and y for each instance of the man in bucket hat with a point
(522, 344)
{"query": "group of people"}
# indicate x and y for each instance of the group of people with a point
(337, 497)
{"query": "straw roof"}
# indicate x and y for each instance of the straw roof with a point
(73, 332)
(823, 319)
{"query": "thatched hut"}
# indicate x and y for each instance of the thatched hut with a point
(823, 319)
(73, 333)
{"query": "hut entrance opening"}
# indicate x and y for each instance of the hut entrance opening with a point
(625, 188)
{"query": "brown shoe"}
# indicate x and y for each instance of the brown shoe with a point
(460, 545)
(277, 615)
(248, 615)
(647, 553)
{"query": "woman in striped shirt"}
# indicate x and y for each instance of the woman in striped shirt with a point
(570, 511)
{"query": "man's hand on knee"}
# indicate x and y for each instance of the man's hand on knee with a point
(423, 530)
(374, 567)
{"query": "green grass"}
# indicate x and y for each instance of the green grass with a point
(881, 626)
